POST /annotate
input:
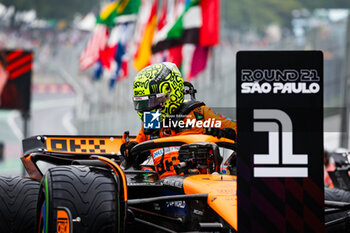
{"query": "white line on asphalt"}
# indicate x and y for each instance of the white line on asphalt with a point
(12, 123)
(68, 125)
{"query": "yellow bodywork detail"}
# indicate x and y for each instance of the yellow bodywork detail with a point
(84, 145)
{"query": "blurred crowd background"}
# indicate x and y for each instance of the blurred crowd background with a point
(67, 100)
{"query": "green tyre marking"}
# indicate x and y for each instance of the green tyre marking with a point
(47, 205)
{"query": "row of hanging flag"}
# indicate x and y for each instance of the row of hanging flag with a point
(150, 31)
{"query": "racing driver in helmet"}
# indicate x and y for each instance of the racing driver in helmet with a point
(159, 88)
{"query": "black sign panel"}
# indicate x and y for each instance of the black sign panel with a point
(280, 141)
(15, 79)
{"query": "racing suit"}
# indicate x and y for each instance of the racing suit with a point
(166, 158)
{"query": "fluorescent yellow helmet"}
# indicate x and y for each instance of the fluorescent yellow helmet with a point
(158, 86)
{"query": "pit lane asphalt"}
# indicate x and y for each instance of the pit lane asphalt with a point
(50, 114)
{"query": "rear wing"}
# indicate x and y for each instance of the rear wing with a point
(64, 150)
(97, 145)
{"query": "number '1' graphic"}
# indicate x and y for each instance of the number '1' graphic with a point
(270, 125)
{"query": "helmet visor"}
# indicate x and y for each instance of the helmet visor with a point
(149, 102)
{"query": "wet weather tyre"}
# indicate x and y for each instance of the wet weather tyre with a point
(89, 193)
(18, 203)
(337, 195)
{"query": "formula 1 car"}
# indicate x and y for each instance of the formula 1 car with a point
(84, 189)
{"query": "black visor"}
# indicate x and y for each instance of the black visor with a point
(149, 102)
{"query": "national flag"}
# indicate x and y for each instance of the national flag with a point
(184, 30)
(208, 36)
(123, 73)
(129, 7)
(209, 33)
(119, 59)
(123, 53)
(98, 71)
(117, 8)
(141, 23)
(143, 55)
(199, 61)
(108, 14)
(113, 58)
(163, 19)
(169, 14)
(175, 55)
(97, 43)
(198, 24)
(163, 16)
(107, 56)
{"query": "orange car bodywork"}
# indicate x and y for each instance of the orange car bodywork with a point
(222, 195)
(221, 189)
(193, 138)
(117, 170)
